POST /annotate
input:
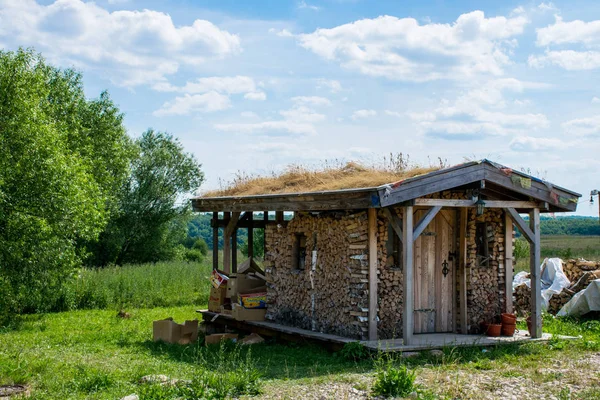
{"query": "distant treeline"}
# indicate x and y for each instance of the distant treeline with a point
(571, 225)
(199, 228)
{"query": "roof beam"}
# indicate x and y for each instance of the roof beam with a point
(471, 203)
(521, 224)
(394, 220)
(431, 183)
(292, 202)
(427, 218)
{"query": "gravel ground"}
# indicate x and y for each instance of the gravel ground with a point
(560, 380)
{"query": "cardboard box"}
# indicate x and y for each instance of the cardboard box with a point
(240, 283)
(226, 309)
(253, 300)
(243, 314)
(170, 331)
(217, 298)
(217, 337)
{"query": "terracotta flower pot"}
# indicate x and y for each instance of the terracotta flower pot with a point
(508, 329)
(509, 318)
(494, 330)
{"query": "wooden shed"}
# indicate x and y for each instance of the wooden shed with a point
(433, 253)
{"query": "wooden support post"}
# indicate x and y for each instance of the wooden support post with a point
(279, 217)
(226, 245)
(407, 254)
(234, 262)
(534, 265)
(232, 220)
(266, 220)
(251, 235)
(462, 271)
(215, 242)
(508, 261)
(372, 233)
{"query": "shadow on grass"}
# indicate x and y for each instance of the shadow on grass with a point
(293, 361)
(274, 360)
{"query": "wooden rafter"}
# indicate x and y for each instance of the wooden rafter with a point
(521, 224)
(423, 222)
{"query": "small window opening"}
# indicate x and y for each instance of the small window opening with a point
(393, 249)
(299, 251)
(483, 244)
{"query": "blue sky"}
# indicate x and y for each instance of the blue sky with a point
(256, 85)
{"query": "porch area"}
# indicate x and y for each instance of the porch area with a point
(420, 342)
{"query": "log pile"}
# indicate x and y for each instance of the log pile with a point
(580, 272)
(485, 288)
(334, 297)
(390, 286)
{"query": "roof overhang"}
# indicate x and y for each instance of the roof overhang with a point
(494, 181)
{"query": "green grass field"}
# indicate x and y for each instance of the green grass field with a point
(564, 247)
(93, 354)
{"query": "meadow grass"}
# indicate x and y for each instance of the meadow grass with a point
(565, 247)
(163, 284)
(93, 354)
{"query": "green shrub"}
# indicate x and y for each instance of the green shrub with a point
(201, 245)
(229, 373)
(354, 351)
(392, 381)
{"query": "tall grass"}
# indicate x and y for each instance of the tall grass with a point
(562, 246)
(165, 284)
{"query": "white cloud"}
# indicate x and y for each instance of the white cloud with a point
(547, 6)
(595, 100)
(576, 31)
(302, 114)
(584, 34)
(304, 5)
(131, 47)
(188, 104)
(394, 113)
(315, 101)
(401, 49)
(281, 33)
(331, 84)
(269, 128)
(360, 114)
(480, 112)
(532, 144)
(589, 126)
(258, 96)
(222, 84)
(568, 59)
(248, 114)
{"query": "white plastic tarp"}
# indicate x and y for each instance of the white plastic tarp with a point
(583, 302)
(553, 279)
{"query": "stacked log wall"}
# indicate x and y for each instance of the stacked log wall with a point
(339, 284)
(485, 282)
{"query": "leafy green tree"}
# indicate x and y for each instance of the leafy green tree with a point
(153, 210)
(61, 157)
(258, 240)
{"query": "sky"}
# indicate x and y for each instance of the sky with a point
(254, 86)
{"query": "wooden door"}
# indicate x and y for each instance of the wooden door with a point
(434, 284)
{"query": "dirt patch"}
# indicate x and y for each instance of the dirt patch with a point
(7, 391)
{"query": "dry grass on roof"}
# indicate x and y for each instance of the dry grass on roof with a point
(336, 176)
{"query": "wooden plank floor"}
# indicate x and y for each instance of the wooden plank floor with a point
(425, 341)
(272, 329)
(429, 341)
